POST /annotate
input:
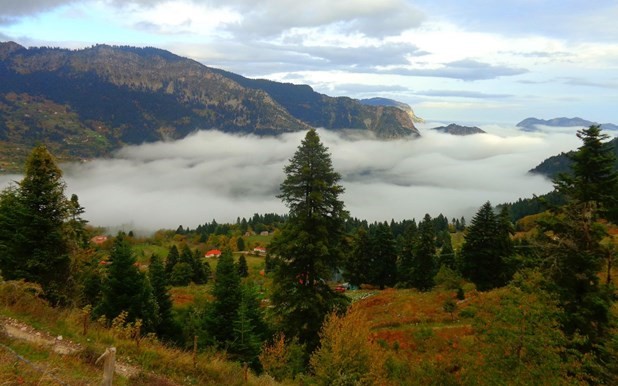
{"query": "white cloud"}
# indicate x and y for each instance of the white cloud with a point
(211, 175)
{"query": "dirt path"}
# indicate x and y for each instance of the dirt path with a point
(19, 330)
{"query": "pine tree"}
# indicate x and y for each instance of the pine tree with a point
(186, 256)
(240, 244)
(201, 271)
(127, 289)
(249, 329)
(447, 253)
(227, 294)
(243, 268)
(406, 257)
(574, 252)
(165, 326)
(424, 263)
(359, 260)
(486, 250)
(173, 257)
(76, 225)
(33, 242)
(383, 268)
(308, 248)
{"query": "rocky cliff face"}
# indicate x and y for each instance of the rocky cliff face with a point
(127, 95)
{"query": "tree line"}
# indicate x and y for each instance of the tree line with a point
(42, 239)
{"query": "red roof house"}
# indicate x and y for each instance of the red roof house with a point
(213, 253)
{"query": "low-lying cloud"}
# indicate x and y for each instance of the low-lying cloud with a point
(211, 175)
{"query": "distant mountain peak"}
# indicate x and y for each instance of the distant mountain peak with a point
(456, 129)
(530, 124)
(7, 48)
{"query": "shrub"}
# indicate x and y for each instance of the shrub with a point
(347, 355)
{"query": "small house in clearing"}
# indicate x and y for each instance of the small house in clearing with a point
(259, 250)
(213, 253)
(98, 240)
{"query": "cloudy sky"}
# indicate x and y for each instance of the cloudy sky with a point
(476, 61)
(451, 60)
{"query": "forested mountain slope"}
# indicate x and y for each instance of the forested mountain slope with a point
(86, 103)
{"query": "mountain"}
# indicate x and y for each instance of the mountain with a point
(459, 130)
(530, 124)
(391, 102)
(86, 103)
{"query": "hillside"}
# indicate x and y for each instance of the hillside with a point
(87, 103)
(561, 163)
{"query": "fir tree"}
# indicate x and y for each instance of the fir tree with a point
(249, 329)
(240, 244)
(224, 309)
(127, 289)
(201, 272)
(359, 261)
(406, 257)
(243, 268)
(172, 258)
(447, 253)
(424, 263)
(485, 250)
(383, 269)
(308, 247)
(34, 244)
(574, 252)
(165, 326)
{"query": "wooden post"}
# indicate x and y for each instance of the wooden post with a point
(245, 370)
(109, 364)
(87, 311)
(194, 351)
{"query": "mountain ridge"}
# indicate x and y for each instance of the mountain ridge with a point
(86, 103)
(530, 124)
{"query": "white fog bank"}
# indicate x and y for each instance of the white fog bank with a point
(211, 175)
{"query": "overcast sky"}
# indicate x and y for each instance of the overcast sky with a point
(211, 175)
(455, 61)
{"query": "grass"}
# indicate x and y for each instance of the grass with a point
(144, 251)
(171, 366)
(257, 240)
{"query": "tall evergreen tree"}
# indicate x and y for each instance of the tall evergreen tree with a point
(243, 268)
(308, 247)
(127, 289)
(359, 261)
(486, 249)
(424, 264)
(383, 268)
(249, 328)
(201, 270)
(76, 225)
(34, 244)
(447, 253)
(165, 326)
(406, 256)
(224, 309)
(173, 257)
(240, 243)
(574, 254)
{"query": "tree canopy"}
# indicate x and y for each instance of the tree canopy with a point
(308, 248)
(34, 242)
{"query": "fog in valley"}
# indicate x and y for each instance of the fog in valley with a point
(211, 175)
